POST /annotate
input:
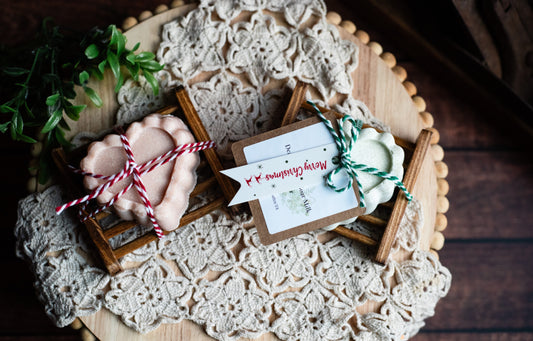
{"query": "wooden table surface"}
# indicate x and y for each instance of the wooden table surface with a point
(489, 239)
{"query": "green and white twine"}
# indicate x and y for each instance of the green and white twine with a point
(345, 143)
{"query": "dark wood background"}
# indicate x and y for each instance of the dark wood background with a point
(489, 238)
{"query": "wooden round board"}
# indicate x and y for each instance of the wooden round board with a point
(374, 83)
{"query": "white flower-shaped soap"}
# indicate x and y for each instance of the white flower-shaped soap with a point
(168, 186)
(376, 150)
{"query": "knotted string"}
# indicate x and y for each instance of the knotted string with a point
(345, 143)
(131, 168)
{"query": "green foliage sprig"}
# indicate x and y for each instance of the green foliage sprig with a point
(37, 81)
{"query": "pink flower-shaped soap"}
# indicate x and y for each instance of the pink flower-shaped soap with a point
(168, 186)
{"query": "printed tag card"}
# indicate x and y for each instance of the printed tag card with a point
(282, 172)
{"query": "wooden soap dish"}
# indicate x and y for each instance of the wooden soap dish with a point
(102, 234)
(414, 158)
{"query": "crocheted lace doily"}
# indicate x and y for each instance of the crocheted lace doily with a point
(234, 57)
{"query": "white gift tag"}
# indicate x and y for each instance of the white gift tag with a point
(283, 173)
(294, 160)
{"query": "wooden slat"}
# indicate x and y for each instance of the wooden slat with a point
(388, 204)
(484, 273)
(204, 186)
(406, 145)
(409, 180)
(297, 102)
(151, 236)
(354, 235)
(95, 231)
(102, 245)
(201, 165)
(119, 228)
(200, 212)
(126, 225)
(372, 220)
(297, 98)
(167, 110)
(101, 215)
(201, 134)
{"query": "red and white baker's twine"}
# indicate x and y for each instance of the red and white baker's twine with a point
(131, 168)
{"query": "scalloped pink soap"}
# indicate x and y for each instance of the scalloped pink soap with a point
(168, 186)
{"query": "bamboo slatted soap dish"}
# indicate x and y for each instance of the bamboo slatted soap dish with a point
(101, 234)
(414, 158)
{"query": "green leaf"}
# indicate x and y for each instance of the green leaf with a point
(120, 82)
(84, 77)
(92, 51)
(144, 56)
(151, 66)
(63, 125)
(136, 47)
(13, 130)
(20, 124)
(14, 126)
(121, 44)
(134, 71)
(26, 138)
(6, 108)
(111, 30)
(152, 81)
(73, 111)
(4, 126)
(28, 109)
(60, 137)
(15, 71)
(97, 74)
(112, 59)
(101, 66)
(93, 96)
(53, 120)
(117, 39)
(131, 58)
(52, 99)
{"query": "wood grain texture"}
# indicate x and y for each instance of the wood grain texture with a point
(492, 287)
(298, 96)
(374, 83)
(463, 124)
(473, 335)
(21, 19)
(411, 174)
(201, 134)
(482, 305)
(490, 194)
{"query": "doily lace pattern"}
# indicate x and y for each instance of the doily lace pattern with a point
(237, 59)
(312, 283)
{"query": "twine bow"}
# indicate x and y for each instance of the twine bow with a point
(345, 143)
(131, 168)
